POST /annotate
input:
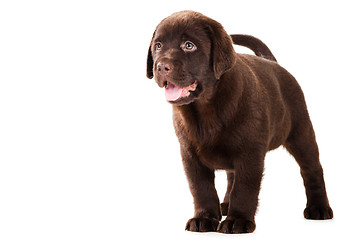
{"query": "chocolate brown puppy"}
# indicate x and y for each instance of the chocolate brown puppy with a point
(230, 109)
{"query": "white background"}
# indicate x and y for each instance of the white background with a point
(87, 148)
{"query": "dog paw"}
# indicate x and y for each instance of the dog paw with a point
(202, 225)
(236, 225)
(224, 209)
(316, 212)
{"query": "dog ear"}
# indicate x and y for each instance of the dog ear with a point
(150, 62)
(222, 50)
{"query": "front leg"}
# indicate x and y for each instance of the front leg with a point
(243, 197)
(206, 202)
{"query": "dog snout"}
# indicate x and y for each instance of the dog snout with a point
(164, 68)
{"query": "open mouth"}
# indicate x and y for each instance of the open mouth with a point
(174, 93)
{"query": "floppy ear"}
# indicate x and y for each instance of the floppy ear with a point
(150, 63)
(222, 50)
(150, 60)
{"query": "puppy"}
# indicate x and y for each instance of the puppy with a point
(230, 109)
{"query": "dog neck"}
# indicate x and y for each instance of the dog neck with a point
(203, 121)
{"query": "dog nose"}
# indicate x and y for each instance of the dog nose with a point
(164, 68)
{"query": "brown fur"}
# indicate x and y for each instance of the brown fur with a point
(256, 45)
(243, 106)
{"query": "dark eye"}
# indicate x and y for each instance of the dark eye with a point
(189, 46)
(158, 46)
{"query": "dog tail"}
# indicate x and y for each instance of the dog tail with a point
(255, 44)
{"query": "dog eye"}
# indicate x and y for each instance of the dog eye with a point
(158, 46)
(189, 46)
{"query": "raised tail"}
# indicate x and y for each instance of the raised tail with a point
(255, 44)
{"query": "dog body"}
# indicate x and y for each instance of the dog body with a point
(230, 109)
(259, 116)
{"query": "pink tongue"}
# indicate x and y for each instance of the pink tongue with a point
(172, 92)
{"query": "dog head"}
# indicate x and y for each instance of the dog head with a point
(188, 54)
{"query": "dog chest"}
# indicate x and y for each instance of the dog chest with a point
(215, 157)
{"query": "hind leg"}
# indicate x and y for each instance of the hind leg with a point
(302, 145)
(230, 183)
